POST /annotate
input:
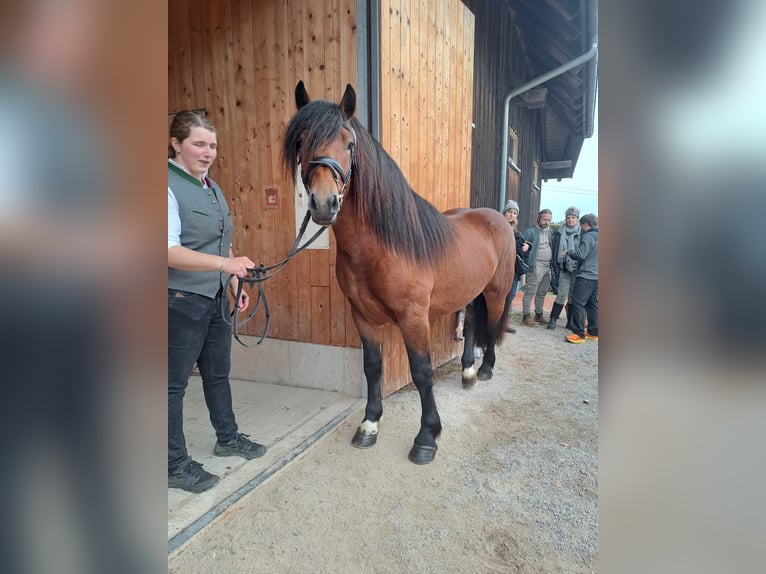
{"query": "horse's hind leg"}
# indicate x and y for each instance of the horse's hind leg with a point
(496, 320)
(367, 433)
(467, 360)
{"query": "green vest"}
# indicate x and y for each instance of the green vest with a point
(206, 226)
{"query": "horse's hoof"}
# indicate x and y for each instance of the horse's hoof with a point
(468, 383)
(364, 440)
(422, 454)
(485, 374)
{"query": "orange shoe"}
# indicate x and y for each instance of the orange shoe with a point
(590, 337)
(574, 338)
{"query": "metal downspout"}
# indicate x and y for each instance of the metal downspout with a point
(590, 54)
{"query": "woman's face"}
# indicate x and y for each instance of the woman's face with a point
(511, 215)
(197, 152)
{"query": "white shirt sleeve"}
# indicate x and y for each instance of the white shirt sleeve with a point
(174, 221)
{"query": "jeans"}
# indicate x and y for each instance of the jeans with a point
(198, 332)
(514, 287)
(585, 300)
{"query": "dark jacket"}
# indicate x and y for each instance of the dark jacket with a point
(556, 248)
(524, 256)
(587, 254)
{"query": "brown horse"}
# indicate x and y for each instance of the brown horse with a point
(398, 259)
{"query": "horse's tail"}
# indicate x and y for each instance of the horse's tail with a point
(482, 329)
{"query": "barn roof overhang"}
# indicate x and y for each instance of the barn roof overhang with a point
(553, 33)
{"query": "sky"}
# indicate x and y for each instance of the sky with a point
(579, 191)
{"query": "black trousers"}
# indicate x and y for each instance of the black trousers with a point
(198, 331)
(585, 300)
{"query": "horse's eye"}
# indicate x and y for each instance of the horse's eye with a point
(350, 146)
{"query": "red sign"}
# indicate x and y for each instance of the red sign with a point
(271, 196)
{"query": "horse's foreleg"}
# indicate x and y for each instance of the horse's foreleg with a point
(468, 361)
(367, 433)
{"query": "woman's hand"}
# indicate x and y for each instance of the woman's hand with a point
(244, 298)
(237, 266)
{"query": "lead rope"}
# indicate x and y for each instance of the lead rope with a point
(257, 275)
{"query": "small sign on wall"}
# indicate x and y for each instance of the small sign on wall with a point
(271, 195)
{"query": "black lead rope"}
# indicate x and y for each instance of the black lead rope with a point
(257, 275)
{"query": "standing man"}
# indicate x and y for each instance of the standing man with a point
(539, 276)
(585, 294)
(566, 237)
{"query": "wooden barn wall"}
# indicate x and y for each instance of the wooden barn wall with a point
(426, 103)
(240, 60)
(499, 66)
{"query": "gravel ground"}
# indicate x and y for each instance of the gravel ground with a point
(513, 488)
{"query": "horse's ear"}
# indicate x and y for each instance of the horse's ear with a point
(301, 95)
(348, 103)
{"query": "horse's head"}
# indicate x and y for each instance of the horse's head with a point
(320, 139)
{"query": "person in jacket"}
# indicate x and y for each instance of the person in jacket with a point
(585, 293)
(565, 237)
(201, 269)
(511, 214)
(539, 276)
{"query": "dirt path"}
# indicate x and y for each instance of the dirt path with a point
(513, 487)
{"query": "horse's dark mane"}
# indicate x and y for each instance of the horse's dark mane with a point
(386, 204)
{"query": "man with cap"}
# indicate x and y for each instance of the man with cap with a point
(511, 214)
(566, 237)
(539, 276)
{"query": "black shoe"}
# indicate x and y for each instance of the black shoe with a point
(552, 323)
(192, 478)
(240, 446)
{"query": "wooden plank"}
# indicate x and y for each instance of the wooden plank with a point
(439, 99)
(284, 216)
(172, 58)
(314, 54)
(468, 52)
(413, 94)
(429, 104)
(385, 73)
(333, 90)
(405, 87)
(196, 53)
(185, 90)
(348, 39)
(395, 60)
(320, 315)
(454, 109)
(320, 267)
(260, 143)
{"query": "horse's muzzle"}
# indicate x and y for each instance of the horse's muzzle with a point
(324, 209)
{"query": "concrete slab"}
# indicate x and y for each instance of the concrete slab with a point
(288, 420)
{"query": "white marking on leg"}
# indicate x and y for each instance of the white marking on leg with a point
(369, 427)
(470, 372)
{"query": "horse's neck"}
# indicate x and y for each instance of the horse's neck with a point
(350, 236)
